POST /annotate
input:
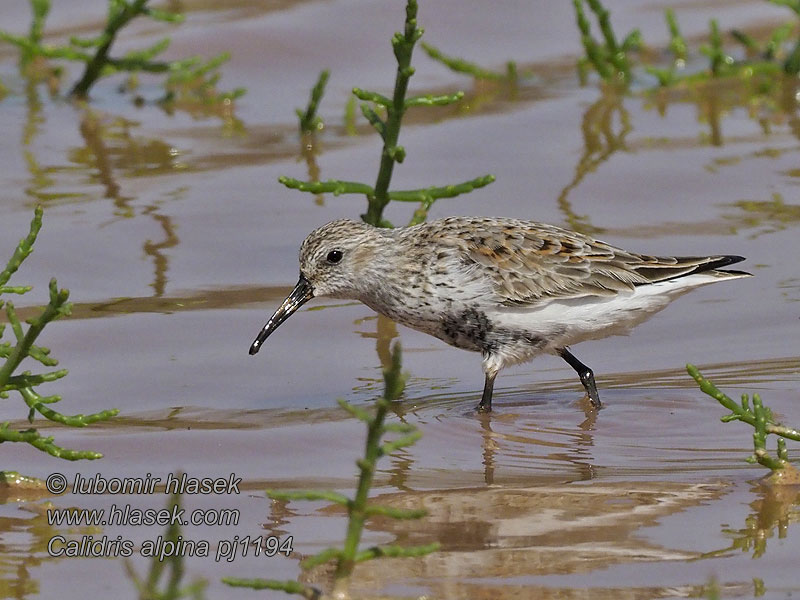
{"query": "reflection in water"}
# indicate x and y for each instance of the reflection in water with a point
(386, 332)
(600, 141)
(772, 512)
(769, 101)
(514, 433)
(497, 540)
(279, 515)
(23, 543)
(41, 176)
(309, 149)
(402, 460)
(513, 441)
(110, 147)
(790, 289)
(34, 116)
(160, 260)
(768, 216)
(491, 535)
(490, 447)
(606, 124)
(95, 155)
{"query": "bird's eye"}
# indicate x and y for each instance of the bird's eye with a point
(334, 256)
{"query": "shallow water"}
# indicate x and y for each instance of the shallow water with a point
(177, 242)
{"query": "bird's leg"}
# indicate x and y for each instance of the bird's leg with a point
(586, 375)
(486, 400)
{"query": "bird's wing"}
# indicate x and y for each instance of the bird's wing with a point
(530, 263)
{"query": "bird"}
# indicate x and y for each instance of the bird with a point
(507, 288)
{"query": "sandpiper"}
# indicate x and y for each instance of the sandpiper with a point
(506, 288)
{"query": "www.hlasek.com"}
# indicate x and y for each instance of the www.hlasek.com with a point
(126, 515)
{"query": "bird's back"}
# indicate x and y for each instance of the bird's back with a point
(528, 263)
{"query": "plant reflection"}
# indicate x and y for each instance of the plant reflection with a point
(309, 149)
(602, 137)
(156, 249)
(774, 509)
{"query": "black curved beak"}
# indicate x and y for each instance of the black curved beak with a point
(302, 293)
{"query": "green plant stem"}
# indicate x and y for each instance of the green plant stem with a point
(388, 127)
(290, 587)
(310, 495)
(403, 45)
(677, 42)
(745, 40)
(24, 248)
(40, 9)
(332, 186)
(760, 454)
(320, 558)
(37, 403)
(32, 437)
(24, 347)
(776, 40)
(426, 196)
(604, 20)
(460, 65)
(738, 412)
(590, 47)
(57, 307)
(396, 513)
(26, 380)
(396, 551)
(350, 117)
(431, 100)
(430, 194)
(357, 511)
(309, 121)
(95, 66)
(792, 64)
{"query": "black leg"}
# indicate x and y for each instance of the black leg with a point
(486, 400)
(586, 375)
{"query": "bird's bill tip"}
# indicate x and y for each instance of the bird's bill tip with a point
(302, 293)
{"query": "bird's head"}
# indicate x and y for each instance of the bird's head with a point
(333, 262)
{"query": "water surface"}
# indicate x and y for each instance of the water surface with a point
(177, 242)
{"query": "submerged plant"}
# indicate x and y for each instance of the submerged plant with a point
(309, 121)
(679, 49)
(760, 418)
(611, 59)
(720, 61)
(197, 76)
(39, 8)
(459, 65)
(388, 127)
(23, 346)
(359, 509)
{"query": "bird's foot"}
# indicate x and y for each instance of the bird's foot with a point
(587, 379)
(594, 403)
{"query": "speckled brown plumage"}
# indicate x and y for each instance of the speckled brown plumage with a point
(507, 288)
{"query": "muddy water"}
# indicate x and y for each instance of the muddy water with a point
(177, 242)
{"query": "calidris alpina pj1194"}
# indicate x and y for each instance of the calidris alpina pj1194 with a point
(506, 288)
